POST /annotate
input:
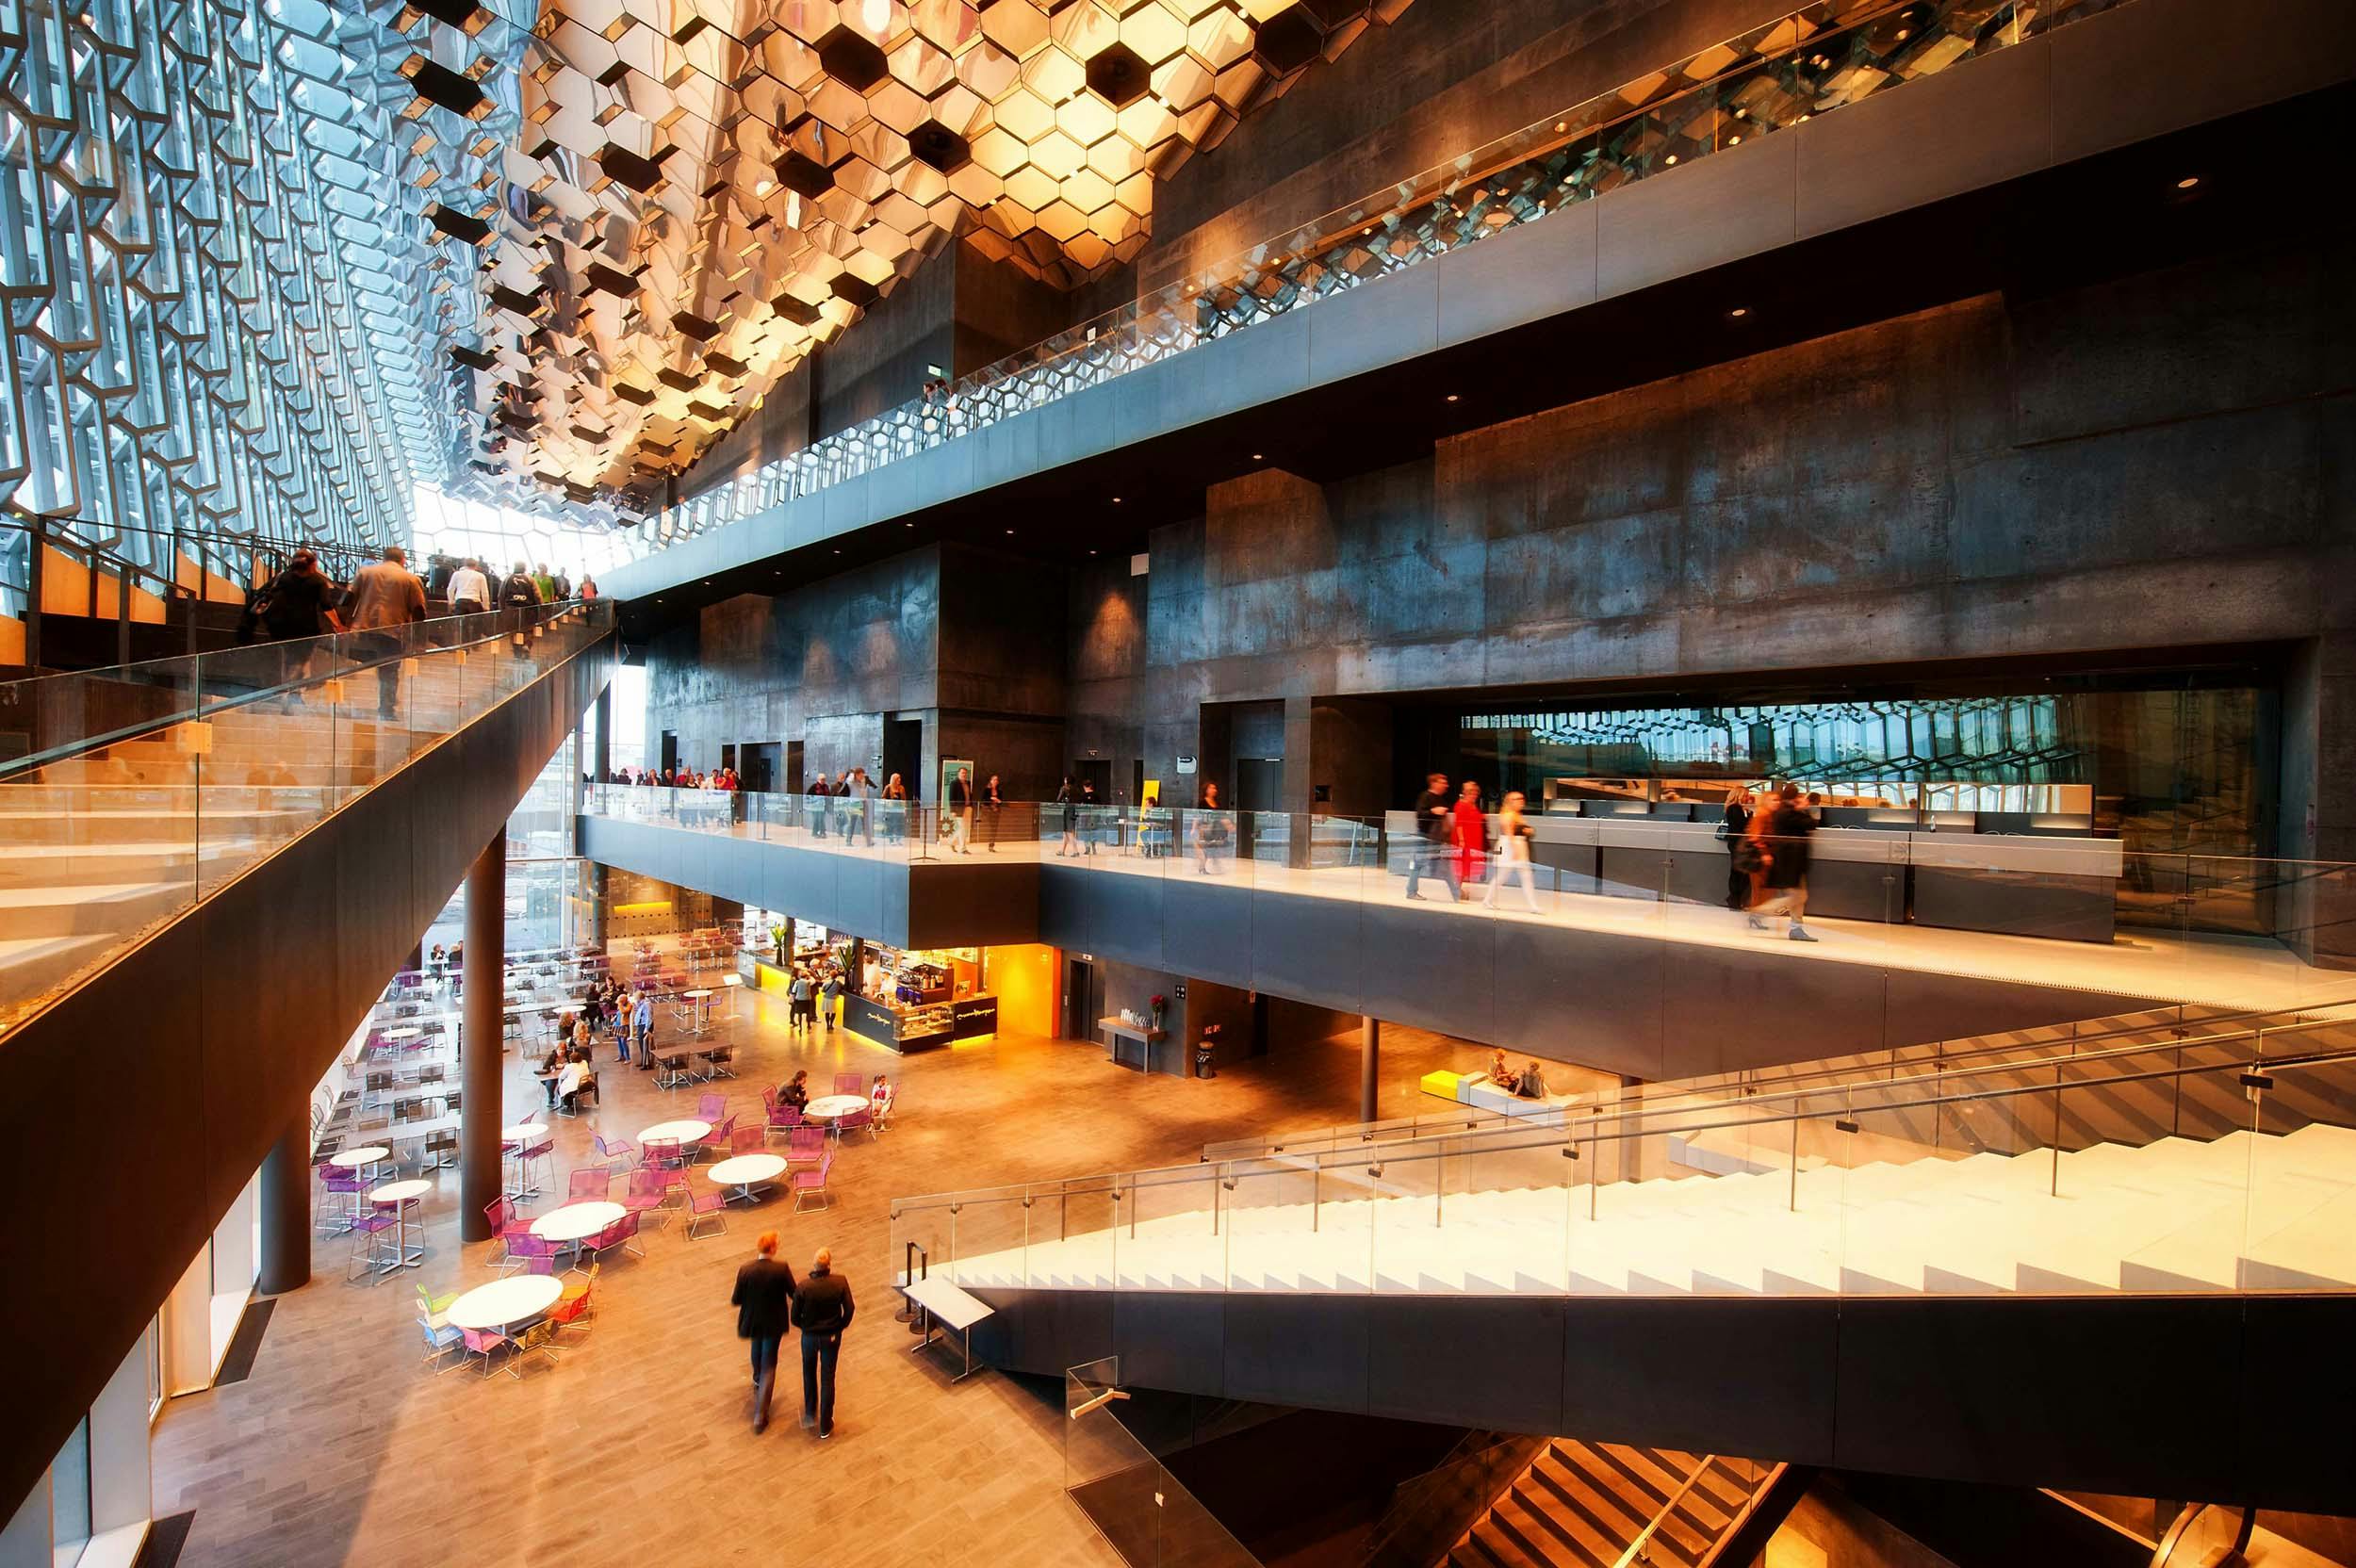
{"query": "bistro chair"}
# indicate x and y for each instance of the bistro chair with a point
(588, 1185)
(851, 1121)
(440, 1340)
(703, 1206)
(711, 1108)
(621, 1233)
(807, 1182)
(718, 1140)
(441, 1149)
(720, 1061)
(481, 1342)
(748, 1140)
(849, 1082)
(366, 1254)
(614, 1152)
(538, 1340)
(806, 1145)
(531, 1254)
(574, 1309)
(783, 1119)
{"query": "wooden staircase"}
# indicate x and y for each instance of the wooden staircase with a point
(1601, 1505)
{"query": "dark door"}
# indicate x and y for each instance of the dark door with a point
(796, 780)
(759, 766)
(903, 754)
(1079, 1005)
(1137, 781)
(1099, 771)
(670, 751)
(727, 756)
(1259, 786)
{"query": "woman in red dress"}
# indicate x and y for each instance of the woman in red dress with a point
(1471, 834)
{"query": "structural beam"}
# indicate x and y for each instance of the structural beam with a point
(481, 1045)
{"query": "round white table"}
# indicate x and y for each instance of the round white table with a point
(682, 1133)
(513, 1140)
(577, 1222)
(399, 1196)
(408, 1034)
(743, 1171)
(828, 1107)
(522, 1131)
(505, 1302)
(352, 1159)
(700, 1024)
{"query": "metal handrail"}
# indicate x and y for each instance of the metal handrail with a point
(1657, 1097)
(541, 616)
(1115, 1183)
(1635, 1550)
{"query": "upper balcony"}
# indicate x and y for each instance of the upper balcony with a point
(1789, 133)
(1614, 949)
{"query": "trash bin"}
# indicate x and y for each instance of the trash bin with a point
(1206, 1054)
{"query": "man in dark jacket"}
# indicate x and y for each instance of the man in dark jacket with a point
(821, 1309)
(763, 1302)
(1431, 827)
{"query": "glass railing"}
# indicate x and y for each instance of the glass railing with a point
(1940, 1061)
(2215, 1165)
(1126, 1491)
(838, 825)
(136, 791)
(1812, 61)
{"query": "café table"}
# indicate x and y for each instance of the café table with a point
(502, 1304)
(399, 1196)
(575, 1223)
(513, 1141)
(745, 1170)
(828, 1107)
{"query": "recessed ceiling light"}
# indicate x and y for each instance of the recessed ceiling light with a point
(1451, 397)
(2188, 182)
(1009, 533)
(1091, 552)
(1116, 500)
(1672, 161)
(1738, 312)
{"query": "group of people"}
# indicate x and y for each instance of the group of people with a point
(769, 1302)
(819, 981)
(1529, 1083)
(677, 779)
(1456, 844)
(467, 586)
(794, 1091)
(1767, 851)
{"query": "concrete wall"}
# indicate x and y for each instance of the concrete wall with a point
(2156, 463)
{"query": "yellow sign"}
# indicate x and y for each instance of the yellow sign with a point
(1153, 792)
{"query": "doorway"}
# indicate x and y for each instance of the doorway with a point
(1096, 771)
(1259, 786)
(795, 780)
(759, 766)
(670, 751)
(904, 753)
(1081, 999)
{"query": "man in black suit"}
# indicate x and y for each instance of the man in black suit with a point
(763, 1302)
(821, 1309)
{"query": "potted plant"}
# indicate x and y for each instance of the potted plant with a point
(1157, 1004)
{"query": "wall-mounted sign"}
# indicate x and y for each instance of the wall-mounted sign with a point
(1185, 764)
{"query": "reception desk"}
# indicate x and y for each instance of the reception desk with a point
(2038, 884)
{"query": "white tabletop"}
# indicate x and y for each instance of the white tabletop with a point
(745, 1170)
(353, 1157)
(399, 1192)
(944, 1300)
(696, 996)
(828, 1107)
(522, 1131)
(577, 1221)
(505, 1302)
(409, 1034)
(675, 1132)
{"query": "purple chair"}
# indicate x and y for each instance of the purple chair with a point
(365, 1229)
(703, 1206)
(806, 1182)
(644, 1191)
(613, 1152)
(483, 1343)
(588, 1185)
(781, 1118)
(806, 1145)
(529, 1253)
(710, 1107)
(337, 1217)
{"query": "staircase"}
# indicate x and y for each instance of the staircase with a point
(1601, 1505)
(101, 847)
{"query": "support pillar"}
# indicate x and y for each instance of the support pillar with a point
(602, 756)
(284, 1201)
(1369, 1069)
(597, 905)
(480, 1047)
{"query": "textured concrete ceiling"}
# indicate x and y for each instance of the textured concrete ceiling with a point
(696, 194)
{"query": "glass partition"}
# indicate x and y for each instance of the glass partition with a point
(136, 791)
(1127, 1493)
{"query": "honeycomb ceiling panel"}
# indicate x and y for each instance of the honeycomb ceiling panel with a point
(687, 196)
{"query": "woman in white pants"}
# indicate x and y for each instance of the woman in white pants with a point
(1514, 836)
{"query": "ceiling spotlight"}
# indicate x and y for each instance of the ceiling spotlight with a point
(2188, 182)
(1671, 161)
(1451, 397)
(1009, 533)
(1255, 457)
(1116, 500)
(1738, 312)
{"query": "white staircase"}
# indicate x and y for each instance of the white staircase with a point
(2245, 1211)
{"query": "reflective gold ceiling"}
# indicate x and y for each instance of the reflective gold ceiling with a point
(702, 190)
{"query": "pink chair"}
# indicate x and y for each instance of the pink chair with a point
(619, 1234)
(710, 1107)
(613, 1152)
(644, 1191)
(748, 1140)
(781, 1118)
(347, 1185)
(806, 1182)
(806, 1145)
(483, 1342)
(662, 1154)
(851, 1121)
(849, 1082)
(529, 1253)
(720, 1138)
(703, 1206)
(589, 1184)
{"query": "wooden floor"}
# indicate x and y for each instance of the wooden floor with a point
(636, 1448)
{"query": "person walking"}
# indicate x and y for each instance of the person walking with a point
(820, 799)
(642, 1030)
(897, 816)
(1470, 829)
(1513, 838)
(799, 994)
(469, 590)
(831, 997)
(991, 806)
(385, 594)
(764, 1300)
(821, 1309)
(1095, 826)
(299, 605)
(1430, 853)
(962, 810)
(1210, 832)
(1070, 844)
(1734, 832)
(1782, 835)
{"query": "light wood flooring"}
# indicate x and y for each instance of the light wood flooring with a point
(636, 1448)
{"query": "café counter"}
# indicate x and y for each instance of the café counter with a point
(922, 1027)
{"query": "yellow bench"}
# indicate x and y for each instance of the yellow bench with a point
(1446, 1084)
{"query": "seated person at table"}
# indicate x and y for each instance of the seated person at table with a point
(880, 1097)
(551, 1066)
(1503, 1076)
(570, 1083)
(1532, 1083)
(796, 1093)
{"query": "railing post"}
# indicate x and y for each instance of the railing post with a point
(2054, 1189)
(1793, 1202)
